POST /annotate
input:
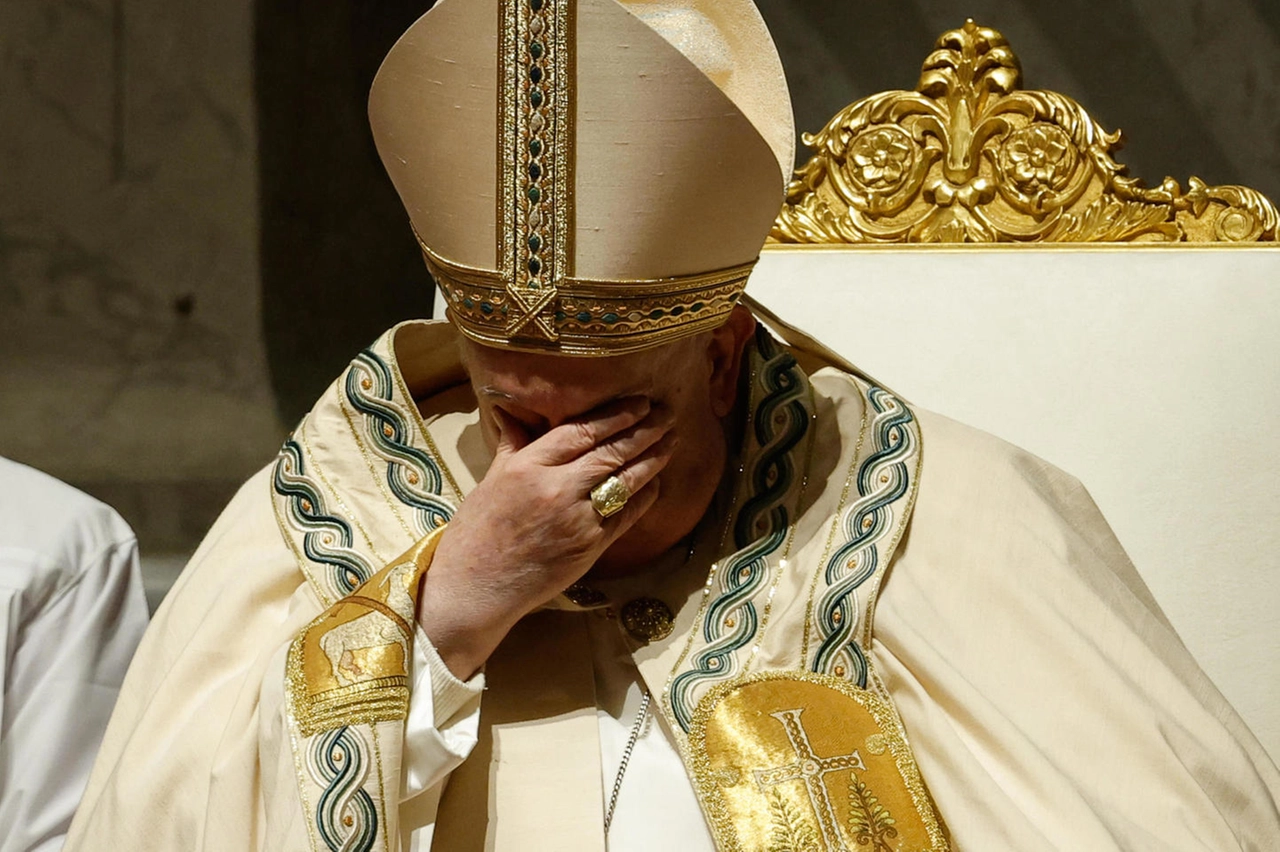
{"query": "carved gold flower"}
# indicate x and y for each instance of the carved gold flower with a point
(881, 157)
(1038, 158)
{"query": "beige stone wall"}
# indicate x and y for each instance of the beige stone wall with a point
(131, 358)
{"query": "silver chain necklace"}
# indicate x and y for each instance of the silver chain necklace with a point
(636, 727)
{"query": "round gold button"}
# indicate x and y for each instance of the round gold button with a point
(580, 594)
(647, 619)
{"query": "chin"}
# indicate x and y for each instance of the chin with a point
(639, 547)
(661, 528)
(688, 487)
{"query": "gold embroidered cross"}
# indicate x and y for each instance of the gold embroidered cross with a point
(810, 769)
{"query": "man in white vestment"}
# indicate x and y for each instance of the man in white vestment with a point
(72, 612)
(614, 559)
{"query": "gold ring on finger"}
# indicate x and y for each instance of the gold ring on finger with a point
(610, 496)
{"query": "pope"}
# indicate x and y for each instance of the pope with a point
(615, 559)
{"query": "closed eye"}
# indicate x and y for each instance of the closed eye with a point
(534, 425)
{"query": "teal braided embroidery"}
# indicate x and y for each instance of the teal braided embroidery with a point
(412, 475)
(883, 479)
(779, 423)
(326, 538)
(339, 762)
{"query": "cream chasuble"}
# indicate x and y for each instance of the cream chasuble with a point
(1018, 688)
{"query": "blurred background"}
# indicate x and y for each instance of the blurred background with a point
(196, 234)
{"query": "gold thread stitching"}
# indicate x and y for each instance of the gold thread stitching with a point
(621, 315)
(333, 492)
(783, 564)
(367, 455)
(716, 565)
(835, 525)
(416, 417)
(506, 108)
(882, 710)
(303, 781)
(304, 564)
(873, 593)
(382, 793)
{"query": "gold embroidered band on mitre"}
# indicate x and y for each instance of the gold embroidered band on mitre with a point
(590, 317)
(535, 201)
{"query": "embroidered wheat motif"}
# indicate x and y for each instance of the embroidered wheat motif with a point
(790, 832)
(870, 821)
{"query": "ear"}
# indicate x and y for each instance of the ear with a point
(725, 351)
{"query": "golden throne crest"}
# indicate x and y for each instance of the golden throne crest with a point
(970, 157)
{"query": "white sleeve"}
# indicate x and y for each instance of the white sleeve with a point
(66, 660)
(444, 717)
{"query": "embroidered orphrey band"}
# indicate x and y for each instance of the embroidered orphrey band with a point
(590, 317)
(536, 105)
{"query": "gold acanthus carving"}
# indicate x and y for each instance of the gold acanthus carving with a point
(971, 157)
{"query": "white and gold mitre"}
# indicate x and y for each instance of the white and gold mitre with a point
(587, 177)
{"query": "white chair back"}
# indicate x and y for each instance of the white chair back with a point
(1152, 374)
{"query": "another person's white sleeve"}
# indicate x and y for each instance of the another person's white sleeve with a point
(66, 650)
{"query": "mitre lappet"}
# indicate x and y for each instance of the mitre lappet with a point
(586, 177)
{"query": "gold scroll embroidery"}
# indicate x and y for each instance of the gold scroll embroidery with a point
(969, 156)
